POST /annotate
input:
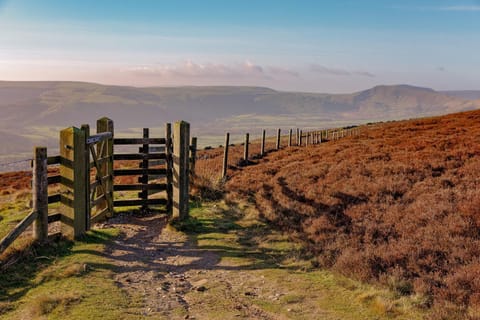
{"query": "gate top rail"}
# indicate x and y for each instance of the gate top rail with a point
(99, 137)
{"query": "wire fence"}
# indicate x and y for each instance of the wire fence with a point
(16, 165)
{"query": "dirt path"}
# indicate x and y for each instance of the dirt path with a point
(165, 274)
(229, 265)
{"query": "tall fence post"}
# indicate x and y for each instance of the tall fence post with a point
(245, 147)
(74, 178)
(181, 138)
(225, 156)
(40, 194)
(290, 138)
(193, 157)
(300, 138)
(169, 165)
(88, 212)
(106, 125)
(262, 147)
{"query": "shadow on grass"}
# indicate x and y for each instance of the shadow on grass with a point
(20, 268)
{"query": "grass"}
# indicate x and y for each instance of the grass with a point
(397, 205)
(273, 278)
(63, 280)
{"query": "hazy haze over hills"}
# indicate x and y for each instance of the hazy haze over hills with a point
(33, 112)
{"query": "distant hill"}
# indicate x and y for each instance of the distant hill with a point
(464, 94)
(35, 111)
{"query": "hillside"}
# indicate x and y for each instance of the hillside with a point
(397, 205)
(35, 111)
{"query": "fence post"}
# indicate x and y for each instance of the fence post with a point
(290, 138)
(245, 147)
(88, 211)
(262, 147)
(300, 138)
(169, 165)
(40, 194)
(278, 139)
(145, 165)
(225, 156)
(193, 157)
(74, 178)
(181, 138)
(106, 125)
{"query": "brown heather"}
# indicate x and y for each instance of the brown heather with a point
(400, 205)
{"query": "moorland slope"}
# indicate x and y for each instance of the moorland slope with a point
(398, 204)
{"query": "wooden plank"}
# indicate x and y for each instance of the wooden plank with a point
(153, 149)
(98, 183)
(138, 202)
(54, 160)
(98, 200)
(17, 231)
(154, 163)
(130, 187)
(54, 217)
(54, 198)
(136, 156)
(100, 216)
(136, 172)
(123, 141)
(54, 179)
(99, 137)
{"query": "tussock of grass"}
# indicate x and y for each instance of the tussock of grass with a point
(45, 304)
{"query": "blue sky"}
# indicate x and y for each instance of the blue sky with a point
(320, 46)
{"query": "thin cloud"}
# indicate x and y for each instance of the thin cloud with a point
(282, 72)
(339, 72)
(218, 71)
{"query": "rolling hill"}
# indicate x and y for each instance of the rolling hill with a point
(35, 111)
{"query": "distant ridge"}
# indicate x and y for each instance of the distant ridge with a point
(34, 111)
(464, 94)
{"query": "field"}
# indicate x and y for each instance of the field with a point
(398, 205)
(380, 225)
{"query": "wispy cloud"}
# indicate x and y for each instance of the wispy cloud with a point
(189, 69)
(460, 8)
(339, 72)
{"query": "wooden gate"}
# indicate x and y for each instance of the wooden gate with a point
(154, 173)
(100, 174)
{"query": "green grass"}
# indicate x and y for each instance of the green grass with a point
(64, 280)
(270, 265)
(11, 213)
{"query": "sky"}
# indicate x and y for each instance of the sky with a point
(299, 45)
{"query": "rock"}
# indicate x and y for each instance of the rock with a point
(201, 288)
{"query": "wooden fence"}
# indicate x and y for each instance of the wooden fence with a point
(297, 138)
(87, 184)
